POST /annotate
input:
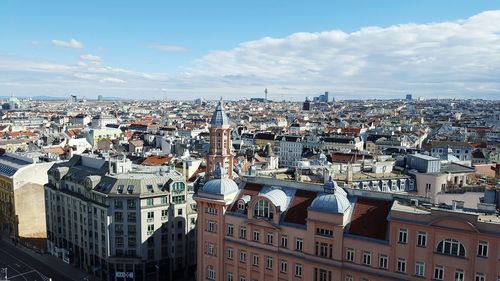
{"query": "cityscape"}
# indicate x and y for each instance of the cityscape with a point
(352, 149)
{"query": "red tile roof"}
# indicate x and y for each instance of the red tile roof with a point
(251, 189)
(154, 160)
(348, 157)
(369, 218)
(297, 212)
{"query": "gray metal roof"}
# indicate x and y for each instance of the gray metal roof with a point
(219, 118)
(333, 200)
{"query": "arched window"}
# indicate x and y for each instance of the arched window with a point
(210, 273)
(451, 247)
(263, 209)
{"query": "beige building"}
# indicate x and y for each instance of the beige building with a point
(22, 208)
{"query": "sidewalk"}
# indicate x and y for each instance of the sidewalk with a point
(70, 272)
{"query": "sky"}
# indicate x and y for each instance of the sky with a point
(235, 49)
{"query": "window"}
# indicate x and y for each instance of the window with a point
(130, 203)
(451, 247)
(298, 270)
(179, 212)
(482, 249)
(243, 232)
(230, 230)
(349, 254)
(322, 275)
(419, 268)
(324, 250)
(401, 265)
(403, 236)
(229, 276)
(269, 263)
(243, 256)
(255, 260)
(242, 278)
(263, 209)
(438, 272)
(283, 266)
(210, 273)
(459, 275)
(256, 235)
(348, 278)
(270, 238)
(324, 232)
(284, 241)
(211, 210)
(151, 228)
(229, 253)
(298, 244)
(367, 258)
(480, 277)
(421, 239)
(210, 249)
(149, 202)
(383, 261)
(118, 204)
(151, 216)
(241, 205)
(212, 226)
(118, 216)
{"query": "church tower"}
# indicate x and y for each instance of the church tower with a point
(220, 150)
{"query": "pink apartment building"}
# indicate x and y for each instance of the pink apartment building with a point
(267, 229)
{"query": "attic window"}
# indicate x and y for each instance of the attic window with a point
(130, 189)
(120, 188)
(150, 187)
(241, 205)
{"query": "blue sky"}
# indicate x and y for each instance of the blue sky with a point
(184, 49)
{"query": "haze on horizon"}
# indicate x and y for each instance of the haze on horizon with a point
(235, 50)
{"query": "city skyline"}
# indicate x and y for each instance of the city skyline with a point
(191, 50)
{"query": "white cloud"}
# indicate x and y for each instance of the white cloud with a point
(112, 80)
(73, 44)
(448, 59)
(169, 48)
(370, 62)
(90, 57)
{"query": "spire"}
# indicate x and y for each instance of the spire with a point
(219, 118)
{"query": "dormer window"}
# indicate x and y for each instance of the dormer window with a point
(120, 188)
(241, 205)
(263, 209)
(150, 187)
(130, 189)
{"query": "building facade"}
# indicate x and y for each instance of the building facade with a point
(22, 206)
(290, 150)
(118, 221)
(280, 230)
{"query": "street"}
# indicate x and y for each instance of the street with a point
(21, 266)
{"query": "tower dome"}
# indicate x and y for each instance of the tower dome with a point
(332, 200)
(220, 184)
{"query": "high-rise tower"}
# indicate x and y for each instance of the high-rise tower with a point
(220, 150)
